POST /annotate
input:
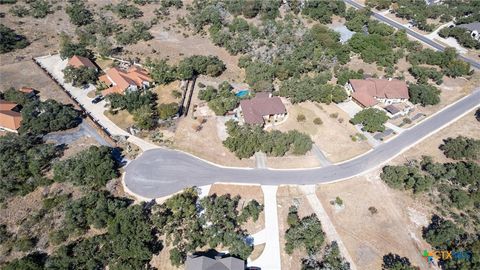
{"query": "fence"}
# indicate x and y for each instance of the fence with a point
(103, 131)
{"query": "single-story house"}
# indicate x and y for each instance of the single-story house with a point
(473, 28)
(80, 61)
(216, 263)
(119, 81)
(10, 116)
(262, 108)
(370, 92)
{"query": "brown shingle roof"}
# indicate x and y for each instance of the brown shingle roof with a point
(254, 109)
(80, 61)
(366, 90)
(364, 98)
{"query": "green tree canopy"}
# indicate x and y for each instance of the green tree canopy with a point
(41, 117)
(461, 148)
(79, 13)
(307, 233)
(23, 160)
(93, 167)
(371, 119)
(80, 76)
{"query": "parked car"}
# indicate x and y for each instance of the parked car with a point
(97, 99)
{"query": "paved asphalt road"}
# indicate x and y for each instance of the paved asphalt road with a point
(412, 33)
(160, 172)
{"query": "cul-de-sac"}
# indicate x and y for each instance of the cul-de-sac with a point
(239, 134)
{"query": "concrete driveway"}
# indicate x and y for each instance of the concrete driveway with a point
(350, 107)
(55, 65)
(270, 257)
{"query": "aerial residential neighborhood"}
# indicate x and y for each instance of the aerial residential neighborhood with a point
(240, 134)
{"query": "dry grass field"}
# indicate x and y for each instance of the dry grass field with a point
(335, 128)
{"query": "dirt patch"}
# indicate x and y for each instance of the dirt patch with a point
(43, 33)
(162, 260)
(257, 251)
(335, 127)
(164, 92)
(368, 236)
(247, 193)
(122, 118)
(78, 146)
(356, 63)
(27, 73)
(91, 94)
(286, 197)
(205, 143)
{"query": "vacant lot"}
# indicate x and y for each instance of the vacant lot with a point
(466, 126)
(206, 143)
(286, 197)
(396, 227)
(451, 91)
(335, 128)
(27, 73)
(247, 193)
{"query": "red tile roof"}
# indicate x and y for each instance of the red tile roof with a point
(8, 118)
(122, 80)
(366, 90)
(80, 61)
(7, 105)
(26, 90)
(254, 109)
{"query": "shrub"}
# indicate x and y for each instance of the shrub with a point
(78, 13)
(166, 111)
(11, 40)
(338, 201)
(317, 121)
(301, 118)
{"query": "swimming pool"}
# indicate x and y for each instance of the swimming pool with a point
(242, 93)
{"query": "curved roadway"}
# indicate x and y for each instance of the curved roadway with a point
(160, 172)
